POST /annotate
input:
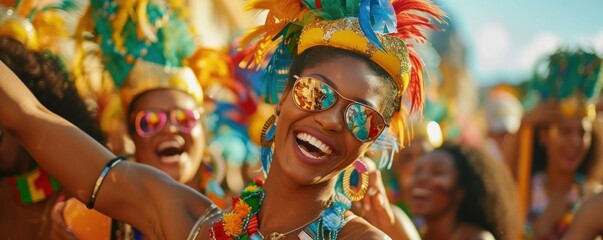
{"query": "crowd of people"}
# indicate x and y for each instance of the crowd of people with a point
(308, 128)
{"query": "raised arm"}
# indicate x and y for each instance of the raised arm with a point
(587, 223)
(131, 192)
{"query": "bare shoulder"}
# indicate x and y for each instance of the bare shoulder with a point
(591, 209)
(172, 208)
(586, 223)
(474, 232)
(358, 228)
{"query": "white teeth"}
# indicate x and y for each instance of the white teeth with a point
(314, 142)
(169, 144)
(420, 192)
(307, 154)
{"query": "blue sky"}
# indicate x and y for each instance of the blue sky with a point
(504, 39)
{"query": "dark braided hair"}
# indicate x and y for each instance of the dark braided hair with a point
(45, 76)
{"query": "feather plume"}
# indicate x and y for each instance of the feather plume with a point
(64, 5)
(410, 23)
(49, 20)
(364, 20)
(376, 16)
(383, 16)
(144, 27)
(281, 14)
(410, 26)
(415, 83)
(276, 73)
(121, 17)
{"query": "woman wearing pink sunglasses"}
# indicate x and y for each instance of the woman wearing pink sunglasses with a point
(349, 86)
(159, 101)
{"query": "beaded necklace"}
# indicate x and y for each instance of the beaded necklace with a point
(33, 186)
(242, 222)
(540, 202)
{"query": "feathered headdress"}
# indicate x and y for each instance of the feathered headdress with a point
(148, 38)
(381, 30)
(574, 79)
(37, 24)
(131, 47)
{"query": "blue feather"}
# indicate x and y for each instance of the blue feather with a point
(383, 16)
(277, 73)
(386, 145)
(364, 20)
(266, 158)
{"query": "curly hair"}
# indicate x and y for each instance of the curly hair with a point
(319, 54)
(490, 199)
(46, 77)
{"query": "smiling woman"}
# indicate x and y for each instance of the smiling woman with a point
(154, 98)
(461, 194)
(349, 52)
(344, 86)
(27, 191)
(564, 165)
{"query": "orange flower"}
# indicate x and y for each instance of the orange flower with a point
(233, 221)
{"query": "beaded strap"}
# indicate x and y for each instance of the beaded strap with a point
(100, 179)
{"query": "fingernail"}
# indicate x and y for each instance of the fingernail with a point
(360, 166)
(381, 200)
(61, 198)
(372, 191)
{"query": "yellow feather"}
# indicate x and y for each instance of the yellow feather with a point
(51, 30)
(251, 35)
(259, 4)
(144, 27)
(280, 14)
(121, 17)
(285, 10)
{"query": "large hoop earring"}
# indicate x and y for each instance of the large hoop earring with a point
(267, 135)
(266, 141)
(347, 175)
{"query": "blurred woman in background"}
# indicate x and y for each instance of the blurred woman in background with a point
(461, 194)
(563, 167)
(27, 191)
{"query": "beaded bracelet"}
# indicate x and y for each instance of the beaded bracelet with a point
(100, 179)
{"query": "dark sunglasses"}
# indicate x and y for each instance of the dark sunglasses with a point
(149, 122)
(363, 121)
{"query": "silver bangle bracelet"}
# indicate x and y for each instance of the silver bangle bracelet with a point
(209, 213)
(100, 179)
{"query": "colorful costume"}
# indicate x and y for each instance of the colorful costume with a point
(33, 47)
(43, 30)
(372, 28)
(127, 48)
(574, 81)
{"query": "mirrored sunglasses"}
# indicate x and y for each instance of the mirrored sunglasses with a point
(363, 121)
(151, 121)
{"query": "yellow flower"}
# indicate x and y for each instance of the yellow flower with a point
(233, 221)
(251, 188)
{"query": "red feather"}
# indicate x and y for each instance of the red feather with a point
(413, 18)
(415, 83)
